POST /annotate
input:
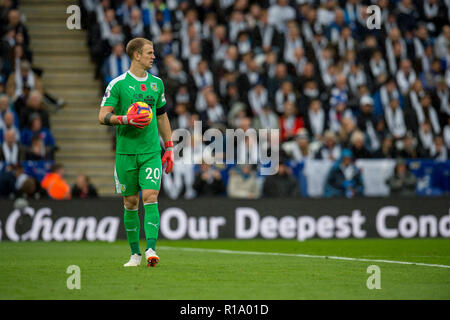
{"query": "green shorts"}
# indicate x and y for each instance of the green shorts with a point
(134, 172)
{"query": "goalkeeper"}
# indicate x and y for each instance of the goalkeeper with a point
(138, 163)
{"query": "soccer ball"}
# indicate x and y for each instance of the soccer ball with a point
(142, 107)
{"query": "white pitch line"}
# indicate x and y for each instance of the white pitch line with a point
(304, 256)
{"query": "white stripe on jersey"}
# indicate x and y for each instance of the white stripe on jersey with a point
(111, 85)
(116, 180)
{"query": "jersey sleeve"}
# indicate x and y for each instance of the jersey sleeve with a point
(161, 98)
(111, 96)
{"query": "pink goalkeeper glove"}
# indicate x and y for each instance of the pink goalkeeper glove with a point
(168, 156)
(134, 119)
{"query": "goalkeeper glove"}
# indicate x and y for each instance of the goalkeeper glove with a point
(134, 119)
(168, 156)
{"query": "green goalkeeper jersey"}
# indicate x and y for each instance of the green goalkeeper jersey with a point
(121, 93)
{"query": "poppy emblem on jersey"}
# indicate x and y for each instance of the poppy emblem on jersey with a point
(143, 87)
(154, 86)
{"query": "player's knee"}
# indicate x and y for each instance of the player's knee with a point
(150, 197)
(131, 202)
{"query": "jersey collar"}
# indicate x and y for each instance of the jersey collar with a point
(138, 78)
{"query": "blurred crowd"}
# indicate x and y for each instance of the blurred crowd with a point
(15, 182)
(311, 68)
(24, 104)
(25, 111)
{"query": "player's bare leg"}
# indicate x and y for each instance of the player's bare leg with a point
(151, 226)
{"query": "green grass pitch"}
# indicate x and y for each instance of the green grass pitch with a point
(38, 270)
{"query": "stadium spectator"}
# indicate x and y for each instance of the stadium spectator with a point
(203, 76)
(281, 184)
(310, 92)
(348, 126)
(433, 13)
(135, 27)
(339, 93)
(290, 122)
(267, 119)
(298, 149)
(83, 188)
(438, 150)
(378, 67)
(279, 13)
(411, 149)
(5, 107)
(258, 98)
(316, 120)
(243, 183)
(426, 136)
(284, 94)
(407, 15)
(23, 77)
(402, 182)
(442, 42)
(426, 112)
(380, 130)
(231, 96)
(299, 61)
(34, 106)
(246, 150)
(405, 76)
(357, 142)
(337, 114)
(387, 149)
(388, 92)
(214, 112)
(356, 78)
(208, 181)
(367, 122)
(11, 152)
(37, 150)
(116, 64)
(54, 183)
(344, 178)
(237, 112)
(333, 30)
(36, 129)
(8, 124)
(331, 149)
(31, 189)
(441, 101)
(181, 117)
(395, 119)
(5, 7)
(293, 43)
(7, 180)
(14, 22)
(274, 82)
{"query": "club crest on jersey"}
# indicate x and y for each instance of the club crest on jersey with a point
(123, 188)
(154, 86)
(143, 87)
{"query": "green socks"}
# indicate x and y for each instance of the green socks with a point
(151, 224)
(132, 227)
